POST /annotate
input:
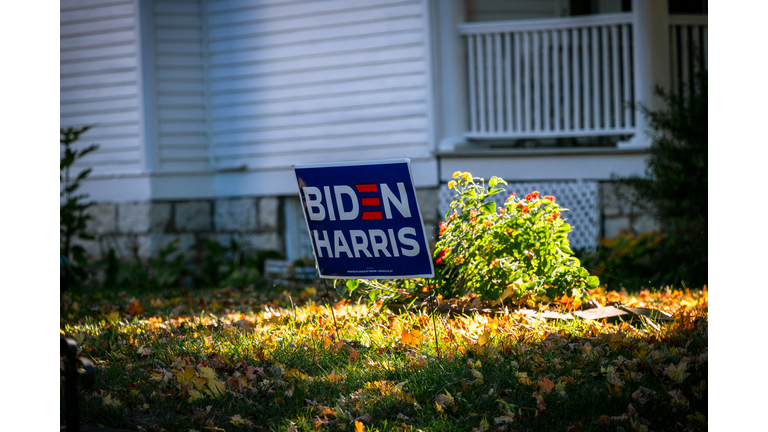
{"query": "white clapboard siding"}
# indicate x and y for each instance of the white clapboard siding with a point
(331, 142)
(302, 81)
(261, 39)
(180, 86)
(360, 88)
(99, 83)
(309, 77)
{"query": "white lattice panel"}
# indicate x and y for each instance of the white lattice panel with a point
(579, 197)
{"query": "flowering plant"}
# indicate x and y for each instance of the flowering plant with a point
(516, 251)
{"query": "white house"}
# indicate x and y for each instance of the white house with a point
(202, 107)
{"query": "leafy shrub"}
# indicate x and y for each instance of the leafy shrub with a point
(519, 250)
(675, 185)
(72, 213)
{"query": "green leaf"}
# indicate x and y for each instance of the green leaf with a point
(488, 208)
(352, 285)
(373, 295)
(470, 193)
(495, 180)
(592, 282)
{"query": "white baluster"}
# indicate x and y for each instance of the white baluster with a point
(489, 83)
(595, 79)
(536, 83)
(585, 78)
(472, 83)
(508, 79)
(556, 80)
(616, 95)
(527, 82)
(576, 80)
(499, 86)
(545, 52)
(481, 84)
(567, 111)
(606, 80)
(518, 85)
(629, 118)
(685, 58)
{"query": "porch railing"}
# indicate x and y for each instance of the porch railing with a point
(564, 77)
(550, 77)
(688, 38)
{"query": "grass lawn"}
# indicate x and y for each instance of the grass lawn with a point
(268, 359)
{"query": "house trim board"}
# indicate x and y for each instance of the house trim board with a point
(545, 164)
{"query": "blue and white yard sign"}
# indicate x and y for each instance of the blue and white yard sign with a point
(363, 220)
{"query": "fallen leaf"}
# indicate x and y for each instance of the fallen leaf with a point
(194, 395)
(134, 308)
(547, 385)
(523, 378)
(677, 373)
(365, 418)
(334, 377)
(484, 424)
(359, 427)
(478, 376)
(412, 337)
(484, 338)
(237, 420)
(144, 351)
(443, 400)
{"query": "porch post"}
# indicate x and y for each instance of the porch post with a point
(450, 73)
(650, 38)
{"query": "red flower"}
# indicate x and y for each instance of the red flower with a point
(502, 211)
(443, 227)
(524, 210)
(488, 224)
(512, 194)
(442, 255)
(535, 194)
(550, 197)
(556, 214)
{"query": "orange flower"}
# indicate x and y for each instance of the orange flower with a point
(549, 197)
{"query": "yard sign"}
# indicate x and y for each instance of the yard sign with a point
(363, 220)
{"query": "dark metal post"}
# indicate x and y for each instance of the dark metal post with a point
(74, 380)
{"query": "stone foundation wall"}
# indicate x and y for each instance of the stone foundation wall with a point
(618, 212)
(148, 226)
